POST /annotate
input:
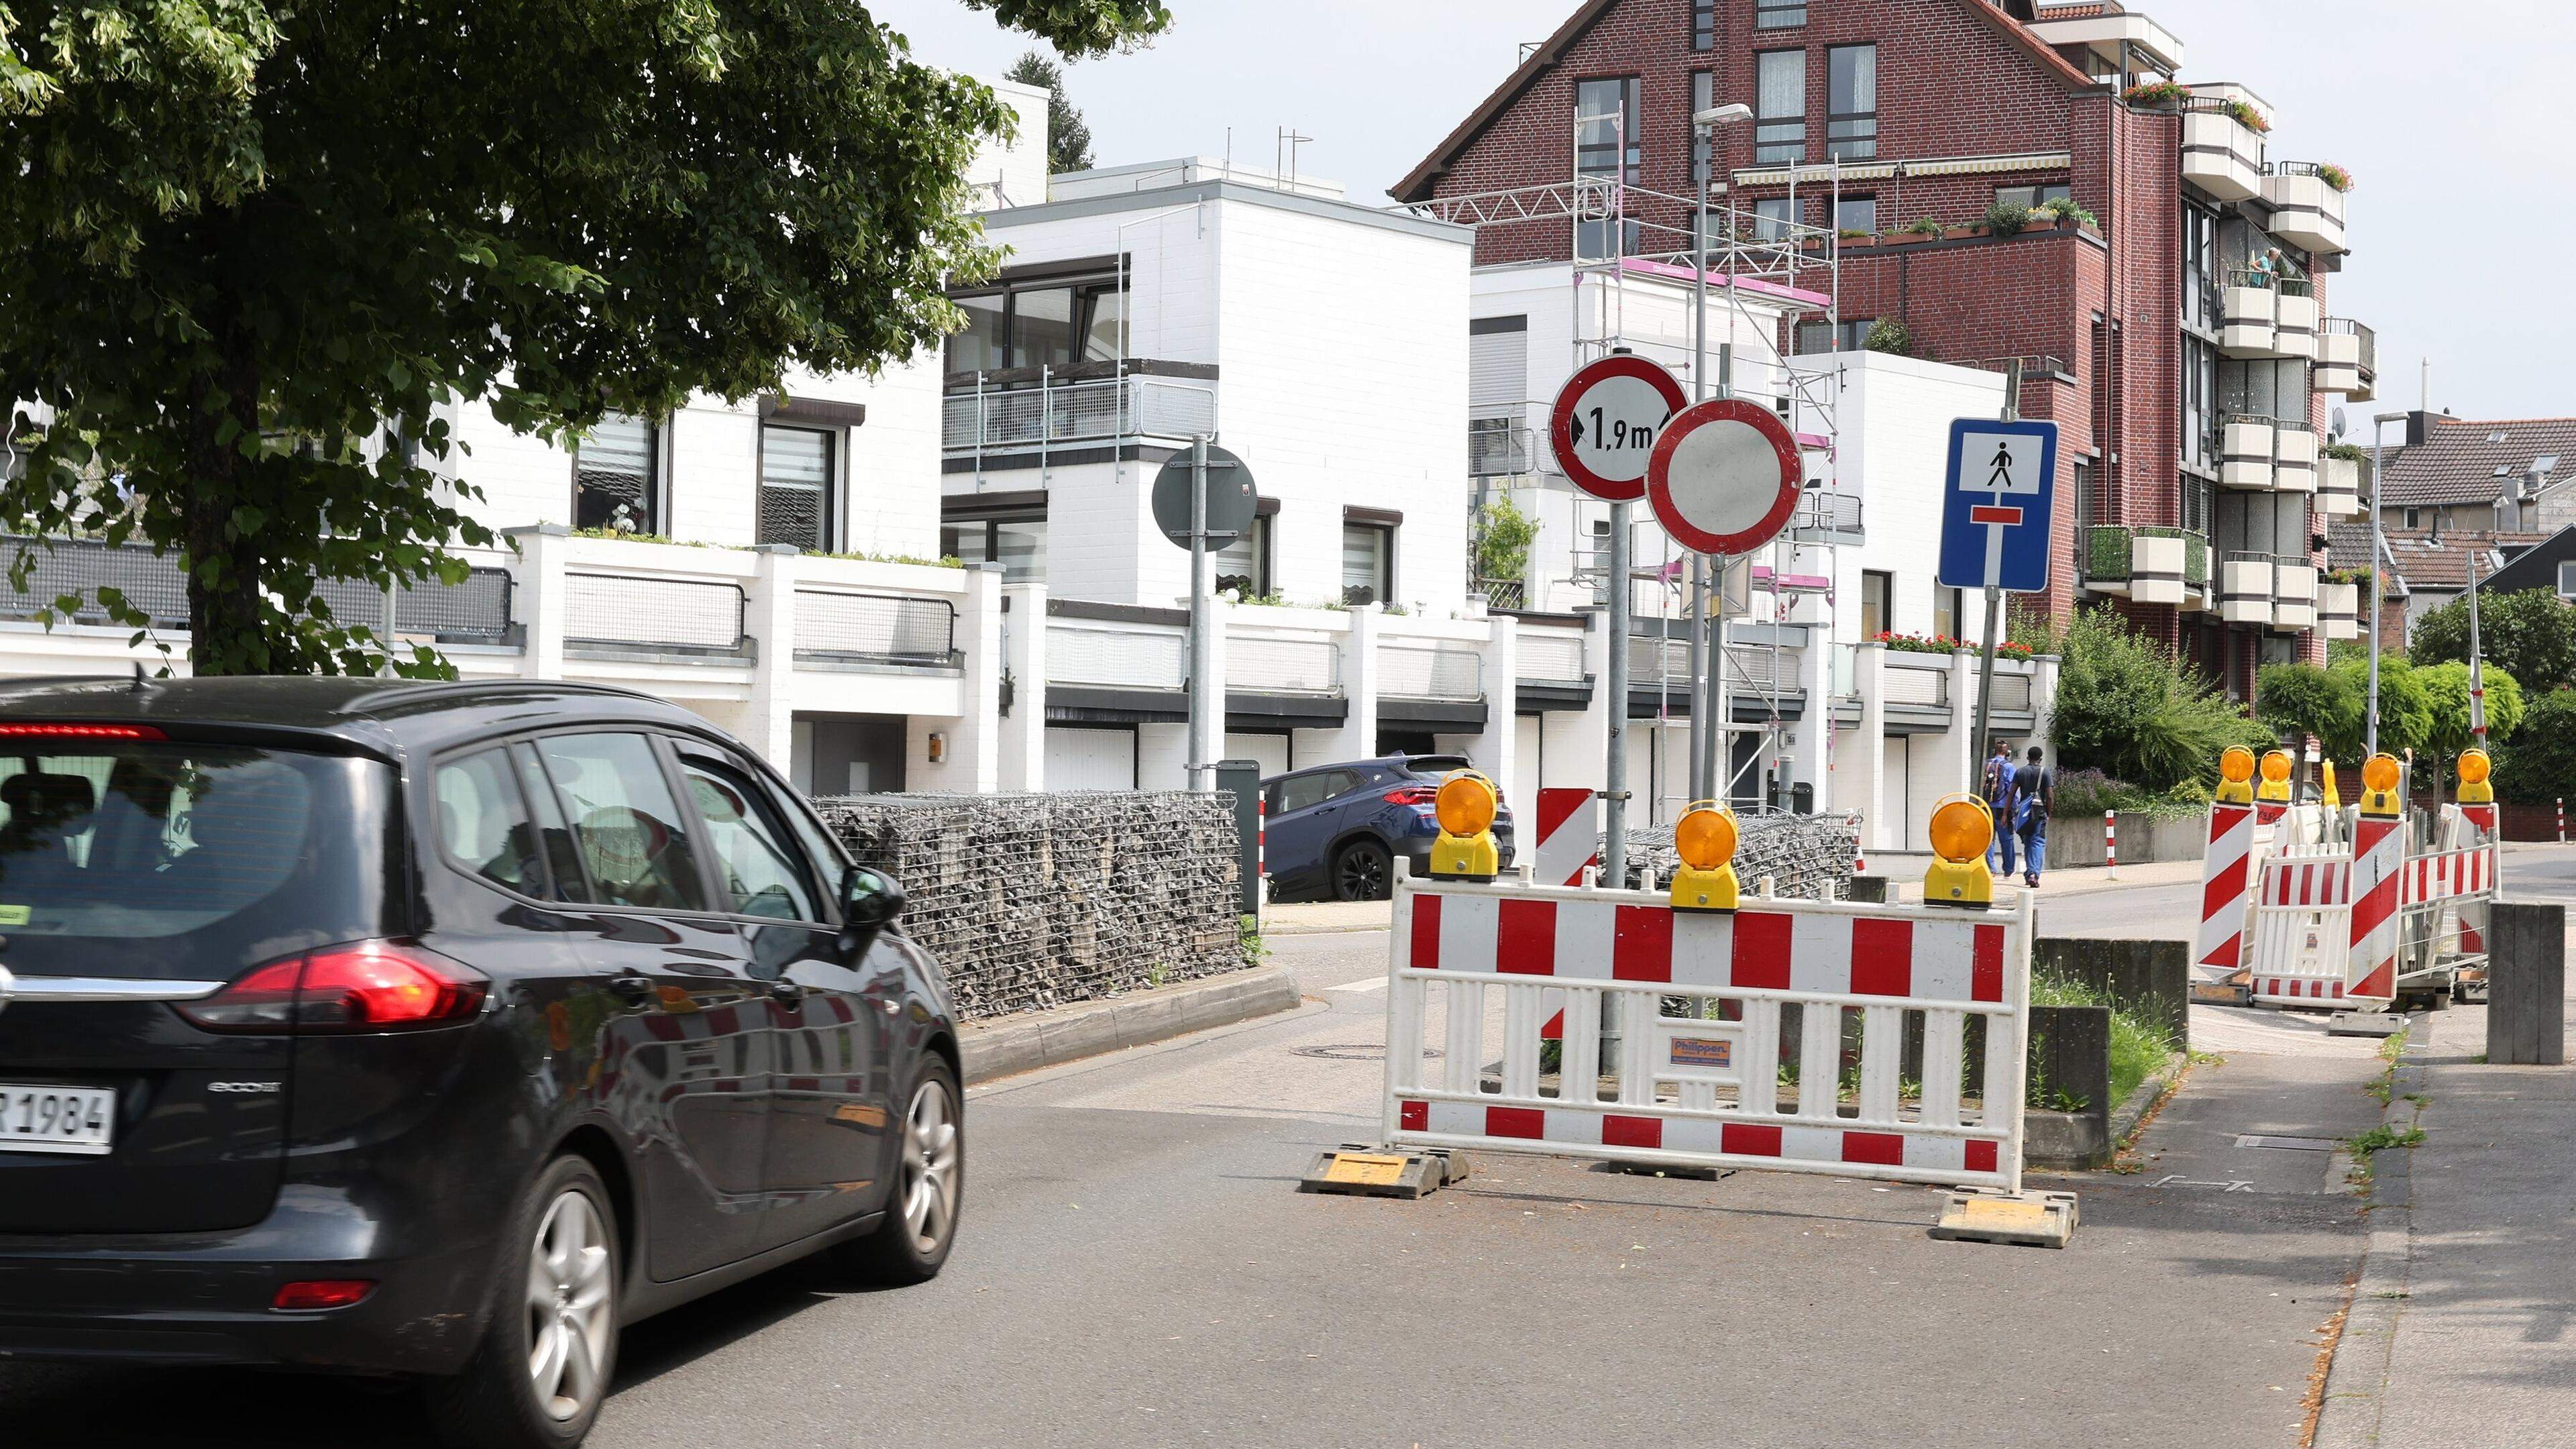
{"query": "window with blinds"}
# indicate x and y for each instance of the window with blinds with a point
(1368, 563)
(616, 472)
(796, 487)
(1780, 106)
(1851, 106)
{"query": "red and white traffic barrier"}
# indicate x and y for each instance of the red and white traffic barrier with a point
(2301, 929)
(2562, 820)
(2220, 941)
(1568, 837)
(1261, 852)
(2378, 869)
(2111, 843)
(1704, 1087)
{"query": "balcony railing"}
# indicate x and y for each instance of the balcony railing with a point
(1555, 658)
(981, 420)
(2155, 565)
(1500, 448)
(474, 610)
(905, 629)
(1438, 672)
(1283, 666)
(1924, 685)
(650, 613)
(1821, 514)
(1117, 658)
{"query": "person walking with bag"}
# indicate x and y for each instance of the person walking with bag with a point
(1997, 789)
(2034, 790)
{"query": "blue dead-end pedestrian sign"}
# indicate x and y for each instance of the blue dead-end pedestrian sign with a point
(1995, 510)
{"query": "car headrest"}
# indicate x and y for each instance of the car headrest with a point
(37, 798)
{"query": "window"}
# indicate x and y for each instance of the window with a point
(625, 824)
(2083, 486)
(1609, 142)
(1947, 612)
(1053, 323)
(1702, 96)
(1778, 14)
(1703, 25)
(1851, 102)
(2028, 196)
(2199, 266)
(796, 487)
(2414, 518)
(2567, 579)
(1017, 544)
(758, 869)
(1302, 792)
(483, 824)
(1772, 218)
(1780, 105)
(1875, 587)
(1244, 565)
(1850, 335)
(2199, 503)
(1368, 563)
(1857, 213)
(2199, 403)
(616, 476)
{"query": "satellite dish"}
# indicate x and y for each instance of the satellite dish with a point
(2338, 422)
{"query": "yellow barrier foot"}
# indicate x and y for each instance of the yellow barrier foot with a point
(1377, 1172)
(2365, 1023)
(2028, 1219)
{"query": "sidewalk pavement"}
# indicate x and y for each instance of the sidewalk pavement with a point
(2466, 1314)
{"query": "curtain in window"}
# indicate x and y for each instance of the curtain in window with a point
(613, 476)
(796, 487)
(1364, 564)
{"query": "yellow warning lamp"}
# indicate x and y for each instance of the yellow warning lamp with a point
(2379, 775)
(1466, 805)
(2475, 767)
(1962, 828)
(2276, 778)
(2234, 769)
(2333, 795)
(1705, 839)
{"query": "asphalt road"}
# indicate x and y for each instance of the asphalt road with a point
(1137, 1269)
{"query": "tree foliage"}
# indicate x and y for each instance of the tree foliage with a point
(2127, 706)
(2531, 632)
(2405, 708)
(243, 247)
(2538, 765)
(1503, 538)
(2447, 687)
(1068, 135)
(2293, 700)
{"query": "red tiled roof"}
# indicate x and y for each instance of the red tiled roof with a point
(2458, 459)
(2424, 561)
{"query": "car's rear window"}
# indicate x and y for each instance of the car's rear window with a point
(1435, 764)
(206, 851)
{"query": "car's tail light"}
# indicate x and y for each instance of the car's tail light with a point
(79, 732)
(366, 986)
(1411, 795)
(309, 1294)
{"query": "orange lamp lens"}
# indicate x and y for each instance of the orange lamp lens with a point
(1704, 838)
(1465, 805)
(2475, 767)
(2379, 772)
(1961, 830)
(2276, 766)
(2237, 765)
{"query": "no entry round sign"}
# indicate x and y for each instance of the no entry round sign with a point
(1606, 421)
(1723, 478)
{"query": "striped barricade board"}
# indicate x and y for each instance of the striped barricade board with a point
(1726, 1020)
(2302, 929)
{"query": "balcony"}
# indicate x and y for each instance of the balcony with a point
(2248, 316)
(2294, 458)
(2294, 319)
(1117, 656)
(898, 631)
(2347, 359)
(2307, 207)
(2220, 153)
(1915, 692)
(2146, 565)
(1501, 447)
(2245, 588)
(1824, 517)
(2245, 450)
(2339, 610)
(476, 611)
(1282, 664)
(1437, 671)
(2338, 487)
(2294, 595)
(998, 420)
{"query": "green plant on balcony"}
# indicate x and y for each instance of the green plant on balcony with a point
(2006, 218)
(2334, 176)
(2159, 93)
(2063, 208)
(1890, 336)
(2247, 116)
(1503, 538)
(1925, 227)
(2106, 552)
(2346, 452)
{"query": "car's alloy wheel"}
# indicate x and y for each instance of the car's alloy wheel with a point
(1360, 874)
(930, 1154)
(571, 1306)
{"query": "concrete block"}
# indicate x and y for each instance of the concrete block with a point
(2152, 978)
(2527, 985)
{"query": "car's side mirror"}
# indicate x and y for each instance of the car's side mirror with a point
(869, 899)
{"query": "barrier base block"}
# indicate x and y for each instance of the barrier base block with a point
(2222, 993)
(2365, 1023)
(1357, 1171)
(2025, 1219)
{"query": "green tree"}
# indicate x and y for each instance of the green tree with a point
(1068, 135)
(2405, 709)
(2531, 632)
(1503, 539)
(2297, 700)
(2128, 707)
(2447, 687)
(250, 254)
(2538, 765)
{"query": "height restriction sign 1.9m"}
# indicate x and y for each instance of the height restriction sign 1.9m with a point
(1605, 423)
(1995, 512)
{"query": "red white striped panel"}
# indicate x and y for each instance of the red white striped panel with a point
(2378, 864)
(1485, 934)
(2297, 988)
(2452, 873)
(1642, 1129)
(2221, 939)
(2321, 882)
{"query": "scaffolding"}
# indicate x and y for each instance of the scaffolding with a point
(1789, 267)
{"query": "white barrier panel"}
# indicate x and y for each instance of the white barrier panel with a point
(1716, 1089)
(2302, 928)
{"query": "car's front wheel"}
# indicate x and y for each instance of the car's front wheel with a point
(1362, 871)
(929, 1185)
(541, 1372)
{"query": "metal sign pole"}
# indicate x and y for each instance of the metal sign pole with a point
(1614, 770)
(2477, 674)
(1202, 751)
(1978, 744)
(2370, 729)
(1703, 661)
(1717, 780)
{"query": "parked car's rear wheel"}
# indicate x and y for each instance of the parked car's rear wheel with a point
(539, 1376)
(1363, 871)
(929, 1186)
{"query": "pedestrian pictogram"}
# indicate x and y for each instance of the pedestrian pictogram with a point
(1997, 510)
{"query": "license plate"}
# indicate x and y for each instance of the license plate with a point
(56, 1119)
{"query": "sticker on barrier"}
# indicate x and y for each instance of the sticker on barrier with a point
(1791, 1036)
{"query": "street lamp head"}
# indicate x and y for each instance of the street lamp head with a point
(1716, 116)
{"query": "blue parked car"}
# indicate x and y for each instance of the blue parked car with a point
(1334, 831)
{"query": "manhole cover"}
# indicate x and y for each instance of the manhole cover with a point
(1367, 1051)
(2293, 1144)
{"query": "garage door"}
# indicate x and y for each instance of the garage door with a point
(1090, 759)
(1270, 750)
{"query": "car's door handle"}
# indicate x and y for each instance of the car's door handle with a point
(786, 993)
(632, 987)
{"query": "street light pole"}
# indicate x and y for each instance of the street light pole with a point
(2378, 466)
(1707, 648)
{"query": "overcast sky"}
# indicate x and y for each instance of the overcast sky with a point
(2454, 119)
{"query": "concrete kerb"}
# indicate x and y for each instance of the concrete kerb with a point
(1009, 1045)
(2348, 1415)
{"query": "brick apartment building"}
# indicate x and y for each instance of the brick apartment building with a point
(2186, 364)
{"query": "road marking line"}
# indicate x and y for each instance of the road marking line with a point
(1374, 983)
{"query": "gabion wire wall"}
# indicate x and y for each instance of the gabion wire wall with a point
(1798, 852)
(1032, 901)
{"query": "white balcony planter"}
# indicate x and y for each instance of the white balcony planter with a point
(2294, 597)
(2245, 593)
(2306, 212)
(2245, 453)
(2294, 460)
(2155, 569)
(2248, 321)
(2221, 155)
(2338, 487)
(2294, 324)
(2339, 610)
(2338, 363)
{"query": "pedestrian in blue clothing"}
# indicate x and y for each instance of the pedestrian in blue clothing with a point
(1997, 790)
(2034, 791)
